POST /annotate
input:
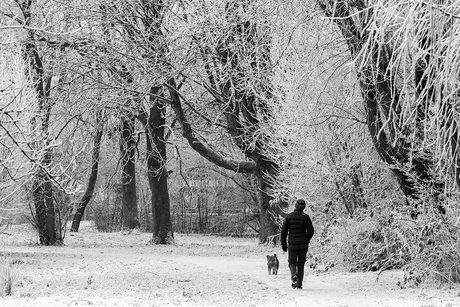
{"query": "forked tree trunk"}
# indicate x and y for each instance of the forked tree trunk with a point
(150, 14)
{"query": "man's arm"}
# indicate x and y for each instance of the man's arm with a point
(284, 232)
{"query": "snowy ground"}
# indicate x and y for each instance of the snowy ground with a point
(119, 269)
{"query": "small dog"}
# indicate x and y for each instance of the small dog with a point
(273, 264)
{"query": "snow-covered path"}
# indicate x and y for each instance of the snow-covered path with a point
(117, 269)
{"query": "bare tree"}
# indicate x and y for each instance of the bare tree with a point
(42, 187)
(57, 119)
(141, 23)
(235, 74)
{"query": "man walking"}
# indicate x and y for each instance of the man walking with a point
(300, 228)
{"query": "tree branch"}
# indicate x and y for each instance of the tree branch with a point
(195, 142)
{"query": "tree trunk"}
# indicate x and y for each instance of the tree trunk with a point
(357, 192)
(42, 191)
(130, 218)
(270, 210)
(268, 228)
(44, 218)
(92, 178)
(157, 174)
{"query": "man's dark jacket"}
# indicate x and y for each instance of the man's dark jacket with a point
(299, 226)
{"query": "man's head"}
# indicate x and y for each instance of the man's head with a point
(300, 204)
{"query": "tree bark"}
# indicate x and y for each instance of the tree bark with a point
(130, 219)
(157, 174)
(45, 213)
(93, 176)
(269, 227)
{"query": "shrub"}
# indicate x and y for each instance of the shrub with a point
(9, 275)
(428, 246)
(375, 244)
(435, 250)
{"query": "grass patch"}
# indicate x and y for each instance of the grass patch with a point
(9, 274)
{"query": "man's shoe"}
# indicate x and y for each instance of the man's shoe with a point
(299, 287)
(294, 281)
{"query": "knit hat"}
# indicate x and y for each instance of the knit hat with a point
(300, 204)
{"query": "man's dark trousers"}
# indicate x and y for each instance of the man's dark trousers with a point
(297, 255)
